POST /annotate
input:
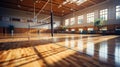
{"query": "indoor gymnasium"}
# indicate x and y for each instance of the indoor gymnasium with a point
(59, 33)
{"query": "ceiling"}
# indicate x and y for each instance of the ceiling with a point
(28, 5)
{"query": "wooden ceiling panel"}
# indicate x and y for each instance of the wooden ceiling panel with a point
(87, 4)
(28, 5)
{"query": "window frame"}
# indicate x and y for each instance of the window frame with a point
(104, 14)
(80, 19)
(66, 22)
(118, 12)
(72, 21)
(90, 17)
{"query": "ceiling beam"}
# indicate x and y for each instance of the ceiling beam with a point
(27, 7)
(92, 2)
(59, 4)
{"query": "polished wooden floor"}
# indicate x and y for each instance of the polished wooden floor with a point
(62, 50)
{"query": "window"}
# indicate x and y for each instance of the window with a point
(103, 14)
(118, 12)
(90, 29)
(72, 29)
(56, 24)
(90, 17)
(81, 30)
(80, 19)
(66, 22)
(72, 21)
(67, 30)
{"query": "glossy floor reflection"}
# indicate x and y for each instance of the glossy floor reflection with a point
(105, 49)
(63, 50)
(117, 52)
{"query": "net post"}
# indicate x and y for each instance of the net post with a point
(52, 31)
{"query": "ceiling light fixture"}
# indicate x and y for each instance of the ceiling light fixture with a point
(71, 9)
(18, 6)
(59, 6)
(64, 2)
(78, 2)
(36, 1)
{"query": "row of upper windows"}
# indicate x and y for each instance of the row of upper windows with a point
(88, 29)
(91, 16)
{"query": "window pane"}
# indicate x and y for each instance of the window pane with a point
(72, 29)
(66, 22)
(90, 17)
(72, 21)
(80, 19)
(117, 12)
(103, 14)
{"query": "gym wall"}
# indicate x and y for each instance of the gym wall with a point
(22, 25)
